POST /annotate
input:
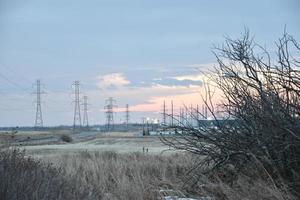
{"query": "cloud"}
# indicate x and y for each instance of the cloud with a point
(192, 77)
(112, 81)
(203, 66)
(149, 99)
(175, 82)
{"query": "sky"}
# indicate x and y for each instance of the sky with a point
(141, 52)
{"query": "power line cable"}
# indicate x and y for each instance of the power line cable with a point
(13, 83)
(14, 72)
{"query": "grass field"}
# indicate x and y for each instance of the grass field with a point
(41, 144)
(114, 166)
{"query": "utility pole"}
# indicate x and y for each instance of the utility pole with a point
(197, 112)
(172, 114)
(180, 117)
(191, 115)
(197, 115)
(143, 122)
(77, 116)
(186, 115)
(85, 112)
(164, 113)
(110, 105)
(127, 117)
(38, 115)
(204, 111)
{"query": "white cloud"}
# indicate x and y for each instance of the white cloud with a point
(196, 77)
(114, 80)
(203, 66)
(192, 77)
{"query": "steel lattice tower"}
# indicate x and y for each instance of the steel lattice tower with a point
(110, 105)
(85, 112)
(198, 122)
(164, 113)
(197, 112)
(172, 113)
(191, 121)
(181, 116)
(38, 114)
(77, 116)
(127, 117)
(204, 111)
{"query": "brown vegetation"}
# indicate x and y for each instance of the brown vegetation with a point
(261, 102)
(66, 138)
(113, 176)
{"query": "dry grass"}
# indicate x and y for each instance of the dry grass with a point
(126, 176)
(27, 179)
(109, 175)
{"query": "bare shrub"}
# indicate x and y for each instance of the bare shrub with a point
(66, 138)
(137, 176)
(109, 175)
(261, 102)
(24, 178)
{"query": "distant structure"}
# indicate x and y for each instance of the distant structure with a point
(85, 112)
(143, 123)
(77, 116)
(181, 120)
(198, 116)
(186, 116)
(127, 117)
(38, 115)
(192, 115)
(110, 105)
(164, 114)
(204, 111)
(172, 114)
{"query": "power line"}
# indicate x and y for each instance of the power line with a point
(12, 82)
(15, 72)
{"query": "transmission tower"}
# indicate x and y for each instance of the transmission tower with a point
(172, 114)
(192, 113)
(204, 111)
(110, 105)
(164, 113)
(77, 116)
(38, 114)
(186, 115)
(85, 112)
(127, 117)
(198, 122)
(197, 113)
(182, 117)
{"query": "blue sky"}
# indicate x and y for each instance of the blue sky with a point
(143, 44)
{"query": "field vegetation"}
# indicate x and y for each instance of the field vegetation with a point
(251, 153)
(260, 128)
(113, 176)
